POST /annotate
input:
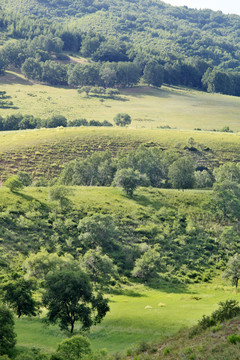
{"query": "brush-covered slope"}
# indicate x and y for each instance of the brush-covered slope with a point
(216, 343)
(44, 152)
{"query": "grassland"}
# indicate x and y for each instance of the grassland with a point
(45, 151)
(139, 314)
(179, 108)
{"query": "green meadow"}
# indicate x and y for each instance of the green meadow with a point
(149, 107)
(138, 314)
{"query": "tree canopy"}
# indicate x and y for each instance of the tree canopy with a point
(69, 298)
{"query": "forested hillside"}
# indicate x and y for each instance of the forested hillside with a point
(174, 45)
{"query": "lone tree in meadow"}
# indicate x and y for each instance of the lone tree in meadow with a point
(122, 119)
(233, 270)
(69, 298)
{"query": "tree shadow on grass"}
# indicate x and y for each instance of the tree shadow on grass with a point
(171, 287)
(142, 91)
(144, 201)
(30, 198)
(126, 292)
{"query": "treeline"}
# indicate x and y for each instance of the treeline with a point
(142, 167)
(118, 63)
(146, 167)
(22, 122)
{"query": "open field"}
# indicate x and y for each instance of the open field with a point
(176, 107)
(140, 314)
(45, 151)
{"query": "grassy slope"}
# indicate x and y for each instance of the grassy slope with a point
(148, 107)
(44, 151)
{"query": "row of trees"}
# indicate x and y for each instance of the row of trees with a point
(22, 122)
(144, 167)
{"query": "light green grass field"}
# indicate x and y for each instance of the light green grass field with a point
(141, 314)
(149, 107)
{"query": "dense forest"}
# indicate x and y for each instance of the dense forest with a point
(123, 43)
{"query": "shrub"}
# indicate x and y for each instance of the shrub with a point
(234, 338)
(78, 122)
(13, 183)
(227, 310)
(74, 348)
(24, 178)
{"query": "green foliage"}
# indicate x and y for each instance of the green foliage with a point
(59, 193)
(13, 183)
(122, 119)
(153, 74)
(202, 179)
(227, 198)
(234, 338)
(181, 173)
(4, 102)
(228, 171)
(99, 267)
(96, 231)
(227, 310)
(43, 263)
(55, 121)
(97, 169)
(18, 294)
(148, 265)
(128, 179)
(74, 348)
(7, 334)
(69, 298)
(25, 178)
(232, 271)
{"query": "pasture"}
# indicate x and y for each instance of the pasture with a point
(138, 314)
(149, 107)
